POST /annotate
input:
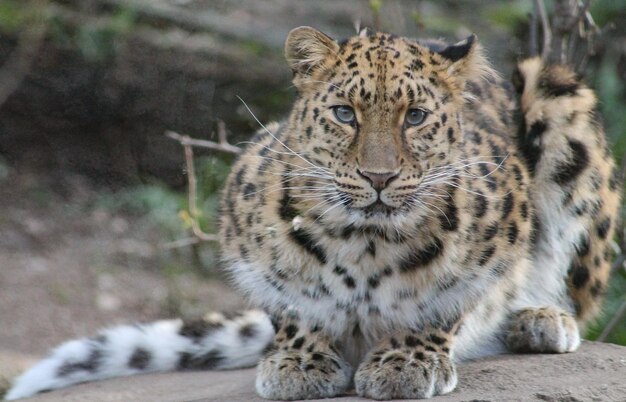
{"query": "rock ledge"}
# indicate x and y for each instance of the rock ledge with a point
(597, 372)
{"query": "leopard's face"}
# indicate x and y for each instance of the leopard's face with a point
(382, 121)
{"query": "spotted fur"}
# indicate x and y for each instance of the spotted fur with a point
(217, 341)
(386, 249)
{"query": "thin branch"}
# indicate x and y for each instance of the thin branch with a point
(592, 39)
(567, 15)
(193, 206)
(186, 242)
(533, 45)
(545, 26)
(188, 143)
(572, 42)
(221, 133)
(222, 145)
(589, 31)
(570, 37)
(619, 316)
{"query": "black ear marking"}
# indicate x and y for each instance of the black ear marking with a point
(458, 50)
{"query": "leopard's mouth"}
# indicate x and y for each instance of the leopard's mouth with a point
(378, 207)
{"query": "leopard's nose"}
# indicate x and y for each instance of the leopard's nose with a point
(378, 180)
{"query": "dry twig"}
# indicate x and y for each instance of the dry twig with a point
(572, 23)
(185, 242)
(533, 45)
(222, 145)
(546, 29)
(192, 195)
(188, 143)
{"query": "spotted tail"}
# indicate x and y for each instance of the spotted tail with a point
(576, 188)
(217, 342)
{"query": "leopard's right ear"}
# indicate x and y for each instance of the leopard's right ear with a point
(306, 49)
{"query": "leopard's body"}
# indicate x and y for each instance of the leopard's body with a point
(413, 210)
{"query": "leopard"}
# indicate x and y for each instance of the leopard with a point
(414, 210)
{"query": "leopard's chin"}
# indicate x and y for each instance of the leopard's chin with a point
(378, 209)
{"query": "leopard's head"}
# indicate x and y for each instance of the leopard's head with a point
(378, 120)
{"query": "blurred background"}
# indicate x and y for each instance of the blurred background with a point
(94, 221)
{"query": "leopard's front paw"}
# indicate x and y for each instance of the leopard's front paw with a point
(542, 330)
(405, 374)
(302, 364)
(290, 375)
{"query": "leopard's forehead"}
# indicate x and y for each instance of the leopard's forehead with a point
(390, 51)
(380, 43)
(383, 68)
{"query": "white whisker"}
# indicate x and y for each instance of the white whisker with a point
(272, 134)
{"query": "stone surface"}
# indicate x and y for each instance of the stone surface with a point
(597, 372)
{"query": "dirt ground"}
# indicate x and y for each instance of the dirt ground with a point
(69, 267)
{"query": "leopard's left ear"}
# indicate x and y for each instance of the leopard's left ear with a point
(460, 50)
(465, 60)
(307, 49)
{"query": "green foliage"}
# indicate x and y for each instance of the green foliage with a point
(60, 33)
(95, 43)
(508, 15)
(123, 21)
(158, 206)
(277, 100)
(4, 169)
(437, 24)
(12, 16)
(98, 42)
(255, 48)
(606, 11)
(212, 172)
(615, 297)
(15, 14)
(376, 5)
(611, 92)
(166, 212)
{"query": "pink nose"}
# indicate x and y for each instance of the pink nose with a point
(378, 180)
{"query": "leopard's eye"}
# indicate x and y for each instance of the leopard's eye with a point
(345, 114)
(414, 117)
